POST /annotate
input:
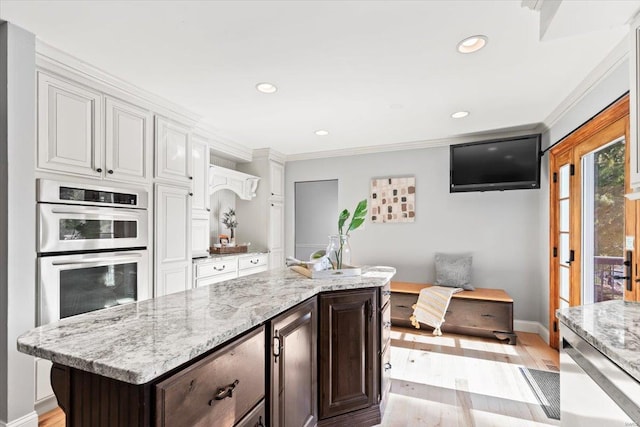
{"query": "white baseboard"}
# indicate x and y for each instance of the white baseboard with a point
(532, 327)
(29, 420)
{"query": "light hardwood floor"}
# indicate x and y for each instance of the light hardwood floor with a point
(462, 381)
(454, 380)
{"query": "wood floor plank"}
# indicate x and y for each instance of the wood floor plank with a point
(53, 418)
(462, 381)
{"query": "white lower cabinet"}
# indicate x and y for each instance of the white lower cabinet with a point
(173, 239)
(208, 271)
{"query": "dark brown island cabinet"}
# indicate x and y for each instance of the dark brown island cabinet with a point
(324, 362)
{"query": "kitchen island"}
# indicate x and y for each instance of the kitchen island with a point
(134, 347)
(600, 364)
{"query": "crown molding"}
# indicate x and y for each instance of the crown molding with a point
(223, 147)
(607, 66)
(57, 61)
(417, 145)
(270, 154)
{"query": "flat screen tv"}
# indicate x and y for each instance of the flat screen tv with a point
(499, 164)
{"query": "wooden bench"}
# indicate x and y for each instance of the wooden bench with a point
(483, 312)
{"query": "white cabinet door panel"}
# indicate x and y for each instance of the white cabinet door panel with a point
(200, 234)
(69, 127)
(173, 278)
(276, 259)
(173, 151)
(276, 226)
(128, 142)
(43, 382)
(200, 173)
(277, 179)
(173, 239)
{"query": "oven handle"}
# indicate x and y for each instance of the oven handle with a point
(103, 212)
(123, 257)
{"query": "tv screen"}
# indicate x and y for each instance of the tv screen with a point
(502, 164)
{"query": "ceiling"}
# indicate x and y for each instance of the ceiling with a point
(372, 73)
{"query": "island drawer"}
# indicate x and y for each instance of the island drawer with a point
(219, 389)
(217, 267)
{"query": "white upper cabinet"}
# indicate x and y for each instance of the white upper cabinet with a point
(173, 151)
(277, 179)
(200, 170)
(69, 127)
(634, 104)
(128, 148)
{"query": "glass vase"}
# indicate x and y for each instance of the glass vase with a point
(339, 250)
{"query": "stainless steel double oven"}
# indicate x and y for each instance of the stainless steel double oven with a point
(92, 248)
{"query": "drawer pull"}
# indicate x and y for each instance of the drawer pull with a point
(224, 392)
(487, 315)
(219, 269)
(387, 366)
(386, 293)
(402, 306)
(254, 261)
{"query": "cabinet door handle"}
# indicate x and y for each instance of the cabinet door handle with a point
(387, 366)
(191, 194)
(369, 310)
(386, 293)
(260, 423)
(387, 325)
(190, 177)
(99, 170)
(224, 392)
(110, 172)
(276, 346)
(208, 209)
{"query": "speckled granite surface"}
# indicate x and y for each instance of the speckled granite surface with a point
(612, 327)
(138, 342)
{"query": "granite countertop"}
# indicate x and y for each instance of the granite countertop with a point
(612, 327)
(138, 342)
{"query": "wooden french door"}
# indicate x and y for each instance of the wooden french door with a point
(579, 208)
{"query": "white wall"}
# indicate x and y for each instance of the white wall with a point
(610, 88)
(501, 229)
(17, 219)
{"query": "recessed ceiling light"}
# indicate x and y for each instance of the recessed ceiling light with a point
(460, 114)
(472, 44)
(322, 132)
(265, 87)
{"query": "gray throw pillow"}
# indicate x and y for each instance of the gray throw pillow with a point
(454, 270)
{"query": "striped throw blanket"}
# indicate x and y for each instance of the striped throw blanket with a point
(432, 306)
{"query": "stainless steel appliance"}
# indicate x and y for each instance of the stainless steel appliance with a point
(92, 248)
(594, 391)
(73, 217)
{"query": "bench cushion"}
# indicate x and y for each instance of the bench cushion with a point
(454, 270)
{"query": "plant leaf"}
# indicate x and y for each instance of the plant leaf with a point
(342, 218)
(361, 209)
(355, 223)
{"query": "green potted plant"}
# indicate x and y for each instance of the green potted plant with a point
(339, 250)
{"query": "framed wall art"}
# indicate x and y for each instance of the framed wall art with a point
(393, 199)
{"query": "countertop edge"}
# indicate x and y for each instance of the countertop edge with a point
(145, 374)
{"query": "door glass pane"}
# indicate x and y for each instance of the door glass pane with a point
(83, 229)
(603, 184)
(88, 289)
(564, 181)
(564, 215)
(564, 249)
(564, 282)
